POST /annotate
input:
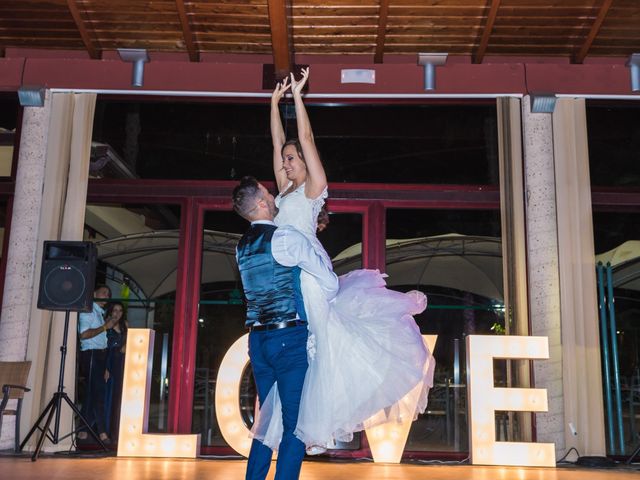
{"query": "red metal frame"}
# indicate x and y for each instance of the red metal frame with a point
(369, 200)
(198, 196)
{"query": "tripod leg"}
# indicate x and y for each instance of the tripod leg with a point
(37, 424)
(43, 434)
(84, 421)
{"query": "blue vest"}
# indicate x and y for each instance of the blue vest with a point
(272, 290)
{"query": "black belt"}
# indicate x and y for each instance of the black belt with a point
(277, 325)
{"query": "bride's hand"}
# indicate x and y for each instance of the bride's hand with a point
(297, 86)
(279, 91)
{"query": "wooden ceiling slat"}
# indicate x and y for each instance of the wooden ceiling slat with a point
(482, 10)
(187, 34)
(532, 23)
(9, 41)
(230, 29)
(166, 35)
(486, 33)
(602, 14)
(474, 31)
(199, 9)
(382, 30)
(282, 53)
(84, 34)
(331, 11)
(49, 32)
(620, 42)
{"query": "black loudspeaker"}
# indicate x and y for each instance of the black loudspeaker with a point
(68, 276)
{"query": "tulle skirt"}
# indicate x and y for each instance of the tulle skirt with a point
(368, 363)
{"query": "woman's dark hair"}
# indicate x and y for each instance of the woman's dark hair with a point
(123, 319)
(296, 143)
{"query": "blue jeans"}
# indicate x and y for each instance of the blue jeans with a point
(279, 356)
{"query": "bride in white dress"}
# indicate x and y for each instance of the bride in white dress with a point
(365, 351)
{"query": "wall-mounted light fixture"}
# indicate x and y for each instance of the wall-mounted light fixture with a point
(357, 75)
(634, 66)
(31, 96)
(430, 61)
(138, 56)
(543, 103)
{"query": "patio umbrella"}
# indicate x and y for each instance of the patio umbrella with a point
(150, 259)
(466, 263)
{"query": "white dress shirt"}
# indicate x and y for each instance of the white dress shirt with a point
(291, 248)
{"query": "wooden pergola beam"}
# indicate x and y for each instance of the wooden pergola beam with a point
(593, 33)
(382, 31)
(84, 34)
(486, 34)
(194, 54)
(282, 53)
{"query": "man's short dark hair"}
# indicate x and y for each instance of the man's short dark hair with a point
(102, 285)
(245, 195)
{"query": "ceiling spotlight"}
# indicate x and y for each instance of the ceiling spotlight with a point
(430, 61)
(634, 65)
(138, 56)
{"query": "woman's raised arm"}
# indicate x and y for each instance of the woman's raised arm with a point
(316, 178)
(277, 134)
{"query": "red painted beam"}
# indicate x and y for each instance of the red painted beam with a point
(456, 78)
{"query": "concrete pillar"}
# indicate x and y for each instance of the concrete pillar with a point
(542, 261)
(23, 242)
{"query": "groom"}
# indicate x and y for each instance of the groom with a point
(270, 260)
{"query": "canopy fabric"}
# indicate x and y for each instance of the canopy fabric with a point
(466, 263)
(151, 258)
(625, 262)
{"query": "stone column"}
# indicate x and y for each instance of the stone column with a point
(542, 261)
(23, 242)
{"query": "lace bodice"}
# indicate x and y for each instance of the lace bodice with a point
(300, 212)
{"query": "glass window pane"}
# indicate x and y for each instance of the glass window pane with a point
(455, 258)
(614, 142)
(358, 143)
(9, 108)
(617, 248)
(137, 258)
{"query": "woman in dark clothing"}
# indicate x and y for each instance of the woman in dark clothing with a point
(117, 340)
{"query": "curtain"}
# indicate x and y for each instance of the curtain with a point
(64, 196)
(582, 380)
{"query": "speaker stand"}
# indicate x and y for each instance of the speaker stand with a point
(53, 408)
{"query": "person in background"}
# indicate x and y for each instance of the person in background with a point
(93, 350)
(114, 366)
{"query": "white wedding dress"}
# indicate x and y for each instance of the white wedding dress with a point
(366, 353)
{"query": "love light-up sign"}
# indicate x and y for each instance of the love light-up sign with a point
(485, 399)
(133, 439)
(386, 441)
